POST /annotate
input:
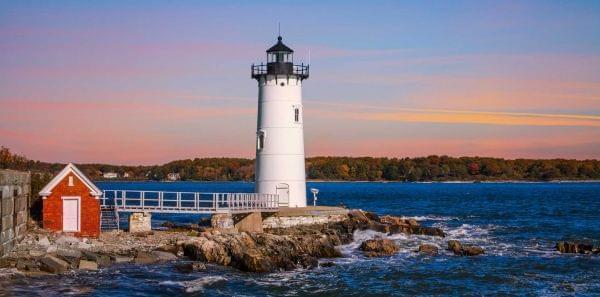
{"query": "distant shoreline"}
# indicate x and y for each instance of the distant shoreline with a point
(376, 181)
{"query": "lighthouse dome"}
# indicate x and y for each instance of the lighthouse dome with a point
(280, 47)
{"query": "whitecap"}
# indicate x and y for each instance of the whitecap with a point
(196, 285)
(430, 218)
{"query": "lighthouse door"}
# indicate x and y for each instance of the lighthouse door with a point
(283, 190)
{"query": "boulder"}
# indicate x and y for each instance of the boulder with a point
(185, 267)
(190, 267)
(66, 252)
(43, 241)
(575, 248)
(428, 249)
(327, 264)
(53, 265)
(265, 252)
(379, 227)
(391, 220)
(121, 259)
(169, 225)
(358, 215)
(171, 248)
(164, 256)
(308, 262)
(412, 222)
(379, 247)
(67, 240)
(36, 253)
(207, 250)
(7, 262)
(51, 249)
(254, 261)
(199, 266)
(145, 258)
(464, 250)
(84, 246)
(431, 231)
(471, 250)
(26, 265)
(101, 260)
(88, 265)
(371, 216)
(455, 246)
(73, 262)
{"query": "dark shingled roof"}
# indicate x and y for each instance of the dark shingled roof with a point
(280, 47)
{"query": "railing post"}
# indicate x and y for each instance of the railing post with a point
(215, 198)
(142, 199)
(196, 201)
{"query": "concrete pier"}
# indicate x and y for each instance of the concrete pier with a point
(295, 216)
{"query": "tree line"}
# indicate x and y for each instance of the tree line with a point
(431, 168)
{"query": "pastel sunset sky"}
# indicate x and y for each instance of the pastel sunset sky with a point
(130, 82)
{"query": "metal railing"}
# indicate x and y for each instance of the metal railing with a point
(302, 71)
(188, 202)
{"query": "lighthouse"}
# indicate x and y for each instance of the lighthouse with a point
(279, 167)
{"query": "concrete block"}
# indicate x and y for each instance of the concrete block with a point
(65, 252)
(248, 222)
(7, 223)
(21, 203)
(8, 206)
(21, 217)
(140, 222)
(7, 235)
(53, 265)
(7, 246)
(88, 265)
(20, 231)
(222, 221)
(6, 192)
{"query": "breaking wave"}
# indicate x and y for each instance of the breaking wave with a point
(430, 218)
(196, 285)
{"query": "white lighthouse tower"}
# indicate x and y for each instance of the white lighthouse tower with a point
(279, 167)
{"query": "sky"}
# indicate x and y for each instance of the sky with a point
(132, 82)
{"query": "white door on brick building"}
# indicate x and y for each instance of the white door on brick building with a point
(71, 214)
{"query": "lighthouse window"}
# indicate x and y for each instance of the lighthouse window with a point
(297, 117)
(260, 140)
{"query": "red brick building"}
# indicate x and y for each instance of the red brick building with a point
(71, 204)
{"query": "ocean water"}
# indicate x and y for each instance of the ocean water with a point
(518, 225)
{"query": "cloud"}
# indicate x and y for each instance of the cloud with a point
(449, 116)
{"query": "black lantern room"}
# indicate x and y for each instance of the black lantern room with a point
(280, 62)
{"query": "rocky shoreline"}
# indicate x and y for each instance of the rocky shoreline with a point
(275, 249)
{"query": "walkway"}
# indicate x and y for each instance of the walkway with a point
(188, 202)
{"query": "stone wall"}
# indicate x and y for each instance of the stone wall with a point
(15, 188)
